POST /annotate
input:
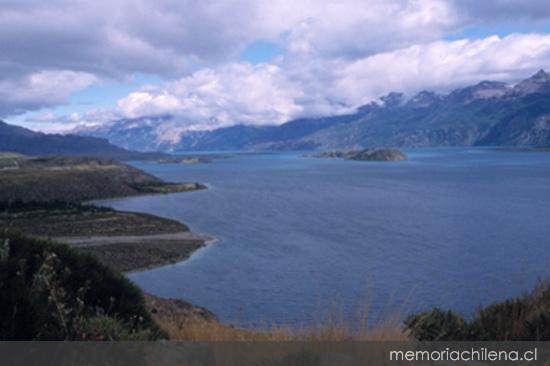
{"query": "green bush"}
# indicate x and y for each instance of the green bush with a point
(52, 292)
(437, 325)
(526, 318)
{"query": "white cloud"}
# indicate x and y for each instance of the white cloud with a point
(275, 93)
(168, 37)
(232, 93)
(356, 28)
(145, 103)
(173, 38)
(44, 88)
(444, 65)
(337, 53)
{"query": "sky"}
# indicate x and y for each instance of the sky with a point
(65, 64)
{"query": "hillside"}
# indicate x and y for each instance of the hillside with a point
(21, 140)
(76, 179)
(486, 114)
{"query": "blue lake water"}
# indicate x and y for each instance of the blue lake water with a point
(450, 227)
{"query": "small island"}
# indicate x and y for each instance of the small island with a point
(370, 154)
(193, 159)
(185, 160)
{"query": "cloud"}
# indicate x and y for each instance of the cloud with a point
(51, 122)
(444, 65)
(275, 93)
(117, 38)
(146, 103)
(171, 37)
(337, 53)
(354, 29)
(44, 88)
(232, 93)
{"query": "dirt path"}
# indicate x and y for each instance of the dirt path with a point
(90, 241)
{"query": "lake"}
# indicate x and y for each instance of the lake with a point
(452, 228)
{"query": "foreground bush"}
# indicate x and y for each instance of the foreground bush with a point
(525, 318)
(52, 292)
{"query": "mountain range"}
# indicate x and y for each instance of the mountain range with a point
(23, 141)
(489, 113)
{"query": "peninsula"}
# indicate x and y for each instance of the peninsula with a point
(43, 197)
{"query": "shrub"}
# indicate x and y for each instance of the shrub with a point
(502, 321)
(525, 318)
(437, 325)
(52, 292)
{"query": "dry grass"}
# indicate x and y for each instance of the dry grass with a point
(186, 322)
(332, 328)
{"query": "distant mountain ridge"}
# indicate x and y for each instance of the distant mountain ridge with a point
(489, 113)
(23, 141)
